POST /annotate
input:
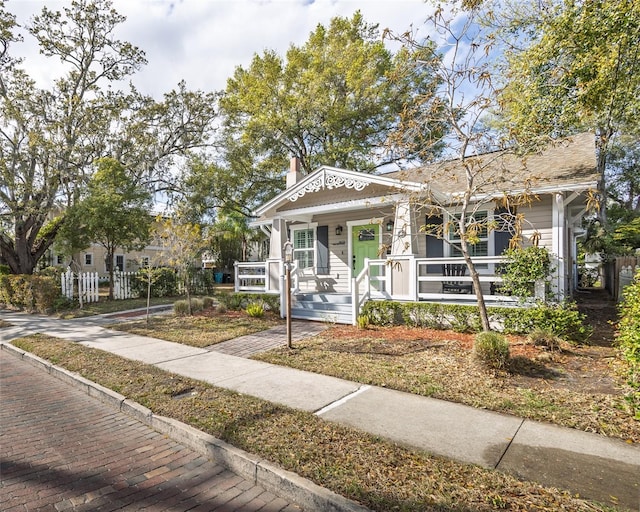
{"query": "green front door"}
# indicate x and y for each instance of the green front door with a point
(366, 244)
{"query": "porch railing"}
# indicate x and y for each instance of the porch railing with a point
(421, 279)
(429, 270)
(250, 277)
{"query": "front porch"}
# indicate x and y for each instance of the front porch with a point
(407, 279)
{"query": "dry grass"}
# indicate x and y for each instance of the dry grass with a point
(577, 387)
(379, 474)
(105, 306)
(200, 330)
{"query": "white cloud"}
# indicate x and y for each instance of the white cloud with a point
(203, 41)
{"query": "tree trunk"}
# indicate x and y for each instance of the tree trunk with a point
(148, 292)
(477, 287)
(110, 265)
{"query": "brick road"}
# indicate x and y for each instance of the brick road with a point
(63, 450)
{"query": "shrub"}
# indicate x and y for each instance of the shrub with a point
(523, 268)
(239, 301)
(363, 321)
(164, 282)
(5, 270)
(30, 292)
(383, 312)
(628, 340)
(563, 320)
(181, 307)
(492, 349)
(544, 337)
(255, 310)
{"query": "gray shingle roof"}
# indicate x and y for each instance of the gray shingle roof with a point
(569, 164)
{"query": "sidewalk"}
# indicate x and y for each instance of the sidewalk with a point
(588, 464)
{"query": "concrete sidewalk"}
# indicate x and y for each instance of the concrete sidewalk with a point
(588, 464)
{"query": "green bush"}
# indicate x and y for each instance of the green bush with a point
(6, 290)
(363, 321)
(240, 301)
(164, 282)
(492, 349)
(522, 269)
(628, 340)
(563, 320)
(29, 292)
(54, 272)
(202, 281)
(5, 270)
(383, 312)
(255, 309)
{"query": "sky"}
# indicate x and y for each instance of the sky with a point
(203, 41)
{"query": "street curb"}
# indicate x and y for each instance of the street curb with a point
(286, 484)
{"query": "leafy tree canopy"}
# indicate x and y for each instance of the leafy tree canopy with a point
(114, 212)
(579, 69)
(50, 137)
(330, 102)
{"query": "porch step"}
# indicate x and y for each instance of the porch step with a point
(322, 307)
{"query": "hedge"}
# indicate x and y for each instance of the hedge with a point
(564, 320)
(33, 293)
(628, 339)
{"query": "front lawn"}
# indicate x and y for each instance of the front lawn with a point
(381, 475)
(104, 306)
(577, 386)
(202, 329)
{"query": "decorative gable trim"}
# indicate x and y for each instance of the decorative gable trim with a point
(332, 178)
(329, 179)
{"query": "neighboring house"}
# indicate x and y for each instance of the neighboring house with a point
(357, 236)
(94, 258)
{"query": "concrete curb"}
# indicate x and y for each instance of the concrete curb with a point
(281, 482)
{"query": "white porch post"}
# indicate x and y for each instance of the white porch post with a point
(274, 261)
(404, 248)
(558, 245)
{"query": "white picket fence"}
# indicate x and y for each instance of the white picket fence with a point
(122, 285)
(84, 285)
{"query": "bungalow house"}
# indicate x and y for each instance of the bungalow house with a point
(356, 236)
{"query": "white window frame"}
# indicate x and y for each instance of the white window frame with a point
(90, 256)
(144, 261)
(314, 250)
(115, 261)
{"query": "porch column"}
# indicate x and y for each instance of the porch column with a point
(558, 246)
(274, 261)
(404, 248)
(405, 231)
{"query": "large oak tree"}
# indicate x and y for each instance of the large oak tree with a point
(50, 137)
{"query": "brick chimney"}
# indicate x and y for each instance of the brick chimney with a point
(294, 174)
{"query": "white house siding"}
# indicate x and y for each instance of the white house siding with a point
(338, 279)
(539, 215)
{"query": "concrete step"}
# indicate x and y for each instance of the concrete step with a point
(319, 315)
(322, 307)
(330, 298)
